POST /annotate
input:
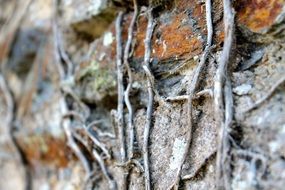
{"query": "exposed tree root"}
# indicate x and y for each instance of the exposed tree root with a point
(87, 166)
(111, 182)
(223, 101)
(60, 53)
(130, 82)
(65, 76)
(120, 109)
(98, 131)
(150, 83)
(98, 158)
(194, 85)
(202, 93)
(74, 146)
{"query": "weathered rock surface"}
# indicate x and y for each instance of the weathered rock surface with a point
(258, 147)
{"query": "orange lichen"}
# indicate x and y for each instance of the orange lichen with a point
(258, 15)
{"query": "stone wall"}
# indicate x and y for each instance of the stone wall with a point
(59, 57)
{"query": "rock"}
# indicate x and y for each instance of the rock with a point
(242, 89)
(90, 18)
(260, 16)
(94, 83)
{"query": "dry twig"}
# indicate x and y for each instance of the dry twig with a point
(58, 64)
(202, 93)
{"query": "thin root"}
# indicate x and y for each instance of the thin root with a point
(194, 85)
(223, 100)
(130, 82)
(150, 81)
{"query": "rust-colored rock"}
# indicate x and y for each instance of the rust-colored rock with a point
(258, 15)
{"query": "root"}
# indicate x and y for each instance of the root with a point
(59, 51)
(88, 131)
(81, 156)
(98, 158)
(223, 100)
(68, 91)
(194, 85)
(98, 131)
(149, 32)
(177, 98)
(120, 108)
(74, 146)
(130, 82)
(203, 93)
(111, 182)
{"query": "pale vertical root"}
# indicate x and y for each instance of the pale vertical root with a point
(21, 158)
(194, 85)
(120, 108)
(112, 184)
(97, 142)
(72, 144)
(57, 34)
(149, 32)
(130, 82)
(223, 98)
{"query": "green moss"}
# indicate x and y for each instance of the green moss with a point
(97, 78)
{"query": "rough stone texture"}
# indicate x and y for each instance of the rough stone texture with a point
(178, 41)
(260, 15)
